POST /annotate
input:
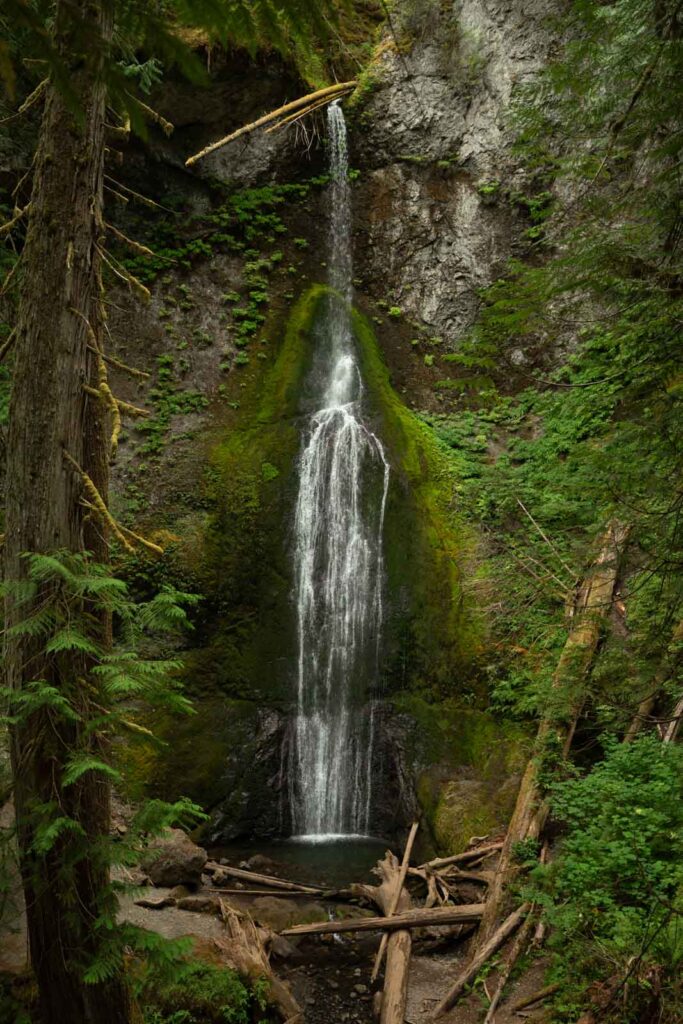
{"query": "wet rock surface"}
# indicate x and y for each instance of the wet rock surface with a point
(433, 223)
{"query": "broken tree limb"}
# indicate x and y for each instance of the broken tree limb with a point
(556, 728)
(460, 914)
(470, 972)
(535, 997)
(463, 858)
(331, 91)
(291, 118)
(395, 898)
(666, 669)
(135, 246)
(674, 723)
(516, 950)
(18, 214)
(243, 949)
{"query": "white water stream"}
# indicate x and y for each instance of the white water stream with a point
(339, 520)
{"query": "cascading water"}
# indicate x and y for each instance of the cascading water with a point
(338, 525)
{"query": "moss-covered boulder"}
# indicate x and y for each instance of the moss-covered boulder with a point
(466, 766)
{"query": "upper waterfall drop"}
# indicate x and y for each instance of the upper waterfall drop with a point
(338, 563)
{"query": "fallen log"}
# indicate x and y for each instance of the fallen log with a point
(331, 92)
(272, 882)
(395, 899)
(556, 728)
(392, 897)
(461, 914)
(476, 963)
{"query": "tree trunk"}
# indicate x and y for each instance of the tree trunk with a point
(556, 729)
(671, 662)
(50, 414)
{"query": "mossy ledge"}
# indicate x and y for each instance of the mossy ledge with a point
(433, 634)
(246, 647)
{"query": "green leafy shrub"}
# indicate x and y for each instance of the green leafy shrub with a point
(613, 893)
(200, 993)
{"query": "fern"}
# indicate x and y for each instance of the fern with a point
(68, 638)
(48, 833)
(77, 766)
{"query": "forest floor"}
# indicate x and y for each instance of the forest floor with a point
(329, 975)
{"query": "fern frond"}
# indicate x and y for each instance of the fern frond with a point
(77, 767)
(71, 639)
(40, 696)
(47, 834)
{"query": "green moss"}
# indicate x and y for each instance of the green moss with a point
(436, 631)
(248, 644)
(471, 768)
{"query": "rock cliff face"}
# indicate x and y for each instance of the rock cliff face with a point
(433, 222)
(435, 219)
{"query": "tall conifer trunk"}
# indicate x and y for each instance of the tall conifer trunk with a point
(59, 316)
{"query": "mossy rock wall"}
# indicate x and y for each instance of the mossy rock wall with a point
(243, 664)
(467, 767)
(432, 634)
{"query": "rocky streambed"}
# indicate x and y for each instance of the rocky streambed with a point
(184, 891)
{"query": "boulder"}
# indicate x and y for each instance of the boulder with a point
(173, 859)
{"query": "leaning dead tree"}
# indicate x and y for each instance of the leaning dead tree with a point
(556, 729)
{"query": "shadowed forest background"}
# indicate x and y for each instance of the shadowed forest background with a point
(475, 208)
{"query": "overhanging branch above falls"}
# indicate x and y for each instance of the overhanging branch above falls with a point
(312, 100)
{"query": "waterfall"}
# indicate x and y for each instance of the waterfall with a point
(338, 525)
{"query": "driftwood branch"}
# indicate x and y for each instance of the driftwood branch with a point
(476, 853)
(330, 92)
(271, 882)
(243, 949)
